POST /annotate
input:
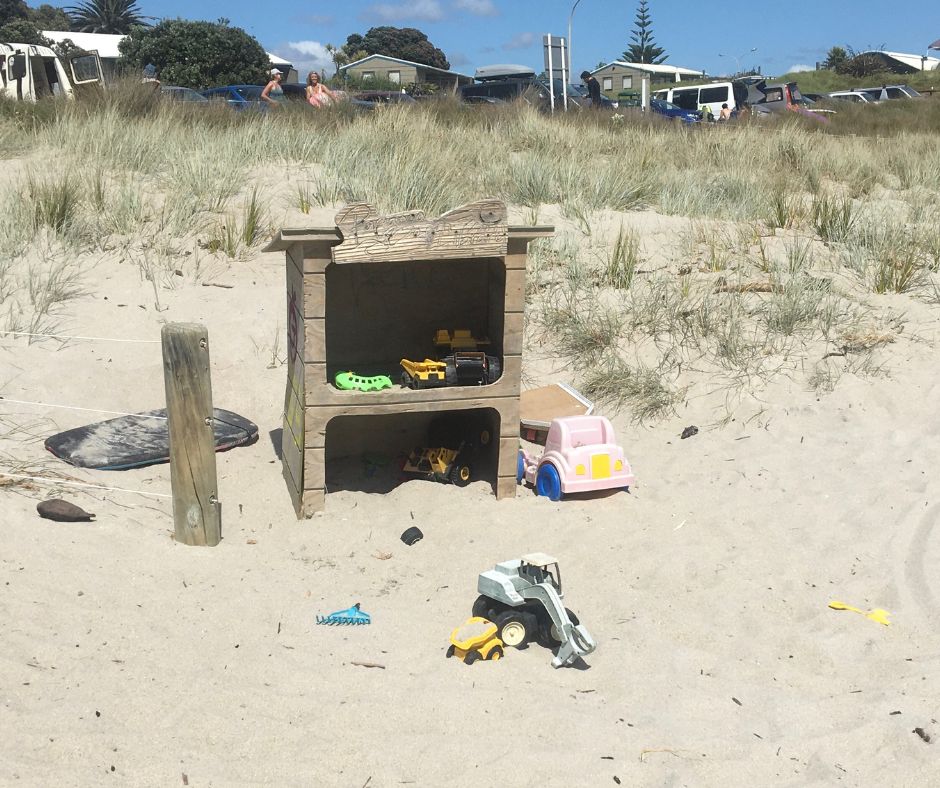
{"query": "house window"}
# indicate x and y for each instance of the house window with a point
(627, 82)
(394, 76)
(608, 83)
(368, 75)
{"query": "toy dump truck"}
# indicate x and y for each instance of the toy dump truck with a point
(523, 598)
(458, 339)
(462, 368)
(473, 640)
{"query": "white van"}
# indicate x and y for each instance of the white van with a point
(29, 72)
(713, 95)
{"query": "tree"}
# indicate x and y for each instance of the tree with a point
(644, 49)
(405, 43)
(197, 54)
(11, 10)
(49, 17)
(105, 16)
(835, 58)
(23, 31)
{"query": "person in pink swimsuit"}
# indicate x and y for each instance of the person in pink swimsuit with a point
(318, 94)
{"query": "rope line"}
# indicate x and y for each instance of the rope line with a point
(66, 336)
(75, 407)
(57, 482)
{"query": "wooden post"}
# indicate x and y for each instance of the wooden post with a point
(196, 509)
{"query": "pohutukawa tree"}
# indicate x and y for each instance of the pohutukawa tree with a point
(644, 49)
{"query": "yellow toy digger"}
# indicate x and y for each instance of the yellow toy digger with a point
(423, 374)
(440, 465)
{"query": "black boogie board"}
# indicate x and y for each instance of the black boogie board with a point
(135, 441)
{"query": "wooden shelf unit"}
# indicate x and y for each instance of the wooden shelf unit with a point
(372, 290)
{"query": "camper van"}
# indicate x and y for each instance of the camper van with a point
(695, 97)
(29, 72)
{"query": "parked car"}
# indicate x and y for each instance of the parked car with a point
(384, 97)
(713, 95)
(239, 97)
(671, 111)
(182, 94)
(29, 72)
(855, 96)
(504, 83)
(886, 92)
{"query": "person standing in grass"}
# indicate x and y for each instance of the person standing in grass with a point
(318, 94)
(273, 92)
(593, 88)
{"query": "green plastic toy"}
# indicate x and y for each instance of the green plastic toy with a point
(349, 381)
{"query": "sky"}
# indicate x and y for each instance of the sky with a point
(717, 37)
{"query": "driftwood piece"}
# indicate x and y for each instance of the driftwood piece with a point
(478, 229)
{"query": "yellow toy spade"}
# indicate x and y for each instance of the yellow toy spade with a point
(877, 615)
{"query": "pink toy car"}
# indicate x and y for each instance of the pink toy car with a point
(581, 454)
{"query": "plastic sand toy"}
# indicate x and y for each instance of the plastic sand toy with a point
(348, 381)
(352, 616)
(475, 639)
(581, 455)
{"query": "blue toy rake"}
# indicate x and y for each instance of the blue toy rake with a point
(352, 616)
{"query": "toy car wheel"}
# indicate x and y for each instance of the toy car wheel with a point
(496, 654)
(513, 629)
(494, 369)
(548, 483)
(520, 467)
(450, 651)
(412, 536)
(462, 474)
(407, 381)
(482, 607)
(472, 656)
(550, 631)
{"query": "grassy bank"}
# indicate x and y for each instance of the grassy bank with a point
(705, 257)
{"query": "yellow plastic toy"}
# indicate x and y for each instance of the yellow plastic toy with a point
(475, 639)
(877, 615)
(423, 374)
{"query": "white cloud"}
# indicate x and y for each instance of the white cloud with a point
(800, 67)
(520, 41)
(478, 7)
(307, 56)
(427, 10)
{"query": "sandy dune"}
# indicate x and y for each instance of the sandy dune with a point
(131, 659)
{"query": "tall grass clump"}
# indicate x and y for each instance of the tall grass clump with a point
(622, 259)
(891, 257)
(53, 202)
(833, 217)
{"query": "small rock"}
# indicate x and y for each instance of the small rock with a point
(63, 511)
(923, 734)
(689, 431)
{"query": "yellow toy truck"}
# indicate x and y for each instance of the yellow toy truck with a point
(475, 639)
(423, 374)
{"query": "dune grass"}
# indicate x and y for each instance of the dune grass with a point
(133, 171)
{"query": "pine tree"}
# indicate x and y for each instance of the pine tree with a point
(644, 49)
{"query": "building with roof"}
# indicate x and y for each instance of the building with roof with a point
(404, 72)
(107, 47)
(622, 76)
(902, 63)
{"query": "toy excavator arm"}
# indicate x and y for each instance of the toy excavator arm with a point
(576, 641)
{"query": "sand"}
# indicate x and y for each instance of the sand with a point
(128, 659)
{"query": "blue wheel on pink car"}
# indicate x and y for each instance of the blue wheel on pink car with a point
(548, 483)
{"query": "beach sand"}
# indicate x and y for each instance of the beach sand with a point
(129, 659)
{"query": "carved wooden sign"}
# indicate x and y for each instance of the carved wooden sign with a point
(478, 229)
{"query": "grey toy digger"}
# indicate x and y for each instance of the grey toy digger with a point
(523, 598)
